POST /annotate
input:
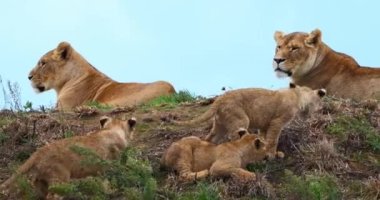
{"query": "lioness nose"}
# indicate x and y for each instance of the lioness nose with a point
(30, 77)
(278, 60)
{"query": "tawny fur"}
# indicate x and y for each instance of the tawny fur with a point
(310, 62)
(195, 159)
(57, 162)
(77, 82)
(257, 109)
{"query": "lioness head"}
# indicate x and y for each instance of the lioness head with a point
(127, 126)
(296, 52)
(309, 100)
(52, 70)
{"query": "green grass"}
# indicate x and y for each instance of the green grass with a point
(202, 191)
(3, 137)
(359, 126)
(171, 101)
(310, 187)
(99, 106)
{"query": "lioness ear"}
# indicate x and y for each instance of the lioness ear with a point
(104, 120)
(292, 85)
(63, 51)
(314, 38)
(321, 92)
(278, 35)
(258, 143)
(132, 122)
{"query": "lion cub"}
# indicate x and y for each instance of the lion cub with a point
(57, 162)
(258, 109)
(194, 158)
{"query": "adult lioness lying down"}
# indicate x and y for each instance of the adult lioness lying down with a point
(310, 62)
(77, 82)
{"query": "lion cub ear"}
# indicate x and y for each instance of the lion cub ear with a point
(314, 38)
(278, 35)
(242, 132)
(321, 92)
(63, 51)
(259, 143)
(104, 120)
(132, 122)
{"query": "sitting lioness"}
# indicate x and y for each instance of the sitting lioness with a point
(258, 109)
(77, 82)
(58, 162)
(310, 62)
(195, 159)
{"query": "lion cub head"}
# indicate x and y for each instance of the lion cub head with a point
(309, 100)
(126, 126)
(296, 52)
(53, 69)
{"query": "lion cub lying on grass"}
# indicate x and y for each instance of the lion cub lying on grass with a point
(266, 110)
(194, 158)
(57, 162)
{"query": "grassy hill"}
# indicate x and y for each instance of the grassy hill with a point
(333, 154)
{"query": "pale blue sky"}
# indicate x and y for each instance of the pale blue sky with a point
(198, 45)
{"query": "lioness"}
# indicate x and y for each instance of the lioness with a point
(310, 62)
(58, 162)
(77, 82)
(258, 109)
(194, 158)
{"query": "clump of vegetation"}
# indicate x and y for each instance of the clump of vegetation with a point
(26, 189)
(202, 191)
(99, 106)
(12, 95)
(359, 127)
(171, 101)
(130, 176)
(3, 137)
(310, 187)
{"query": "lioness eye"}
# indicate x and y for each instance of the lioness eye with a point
(294, 48)
(278, 47)
(42, 63)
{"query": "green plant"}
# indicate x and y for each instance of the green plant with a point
(87, 188)
(3, 137)
(28, 106)
(203, 191)
(68, 134)
(359, 126)
(26, 189)
(172, 100)
(313, 187)
(99, 106)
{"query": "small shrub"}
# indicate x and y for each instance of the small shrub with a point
(311, 187)
(28, 106)
(3, 137)
(99, 106)
(172, 100)
(356, 126)
(87, 188)
(68, 134)
(203, 191)
(26, 189)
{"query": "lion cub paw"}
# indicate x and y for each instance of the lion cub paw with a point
(277, 154)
